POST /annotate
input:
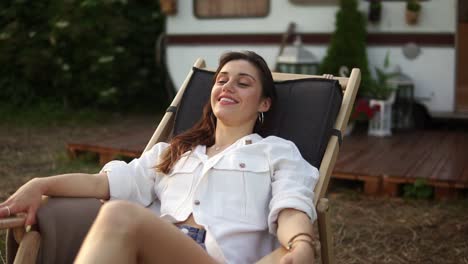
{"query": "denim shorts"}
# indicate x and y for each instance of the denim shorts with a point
(198, 235)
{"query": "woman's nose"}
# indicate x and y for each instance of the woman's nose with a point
(228, 86)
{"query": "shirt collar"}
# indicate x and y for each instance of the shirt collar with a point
(200, 150)
(250, 139)
(246, 140)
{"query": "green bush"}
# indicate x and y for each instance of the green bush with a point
(80, 53)
(418, 190)
(348, 44)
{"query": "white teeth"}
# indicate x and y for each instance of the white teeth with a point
(224, 99)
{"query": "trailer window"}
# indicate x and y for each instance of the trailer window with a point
(231, 9)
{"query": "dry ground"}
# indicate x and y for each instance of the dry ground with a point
(366, 230)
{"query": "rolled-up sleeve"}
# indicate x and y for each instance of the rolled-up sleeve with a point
(293, 183)
(135, 181)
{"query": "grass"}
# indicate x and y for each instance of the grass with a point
(86, 163)
(45, 114)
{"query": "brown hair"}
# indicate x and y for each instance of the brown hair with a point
(203, 132)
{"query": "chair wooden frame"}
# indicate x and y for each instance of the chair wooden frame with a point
(29, 241)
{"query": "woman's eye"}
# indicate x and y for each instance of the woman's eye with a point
(243, 84)
(221, 81)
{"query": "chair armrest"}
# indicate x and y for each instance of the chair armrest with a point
(273, 257)
(62, 224)
(17, 220)
(12, 221)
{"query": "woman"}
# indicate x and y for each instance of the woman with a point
(226, 194)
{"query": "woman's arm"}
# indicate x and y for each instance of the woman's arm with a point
(28, 197)
(290, 223)
(75, 185)
(292, 210)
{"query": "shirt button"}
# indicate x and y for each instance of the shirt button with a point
(196, 202)
(242, 165)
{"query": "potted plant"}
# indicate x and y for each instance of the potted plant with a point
(375, 11)
(383, 96)
(362, 112)
(168, 7)
(413, 8)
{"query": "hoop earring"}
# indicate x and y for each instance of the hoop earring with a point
(261, 118)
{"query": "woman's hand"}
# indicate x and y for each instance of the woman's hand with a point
(301, 253)
(26, 199)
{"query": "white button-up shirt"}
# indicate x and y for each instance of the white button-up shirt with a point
(236, 195)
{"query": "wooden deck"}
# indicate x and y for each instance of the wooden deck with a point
(383, 164)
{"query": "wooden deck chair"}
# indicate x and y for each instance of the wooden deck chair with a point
(311, 111)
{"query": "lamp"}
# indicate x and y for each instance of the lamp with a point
(403, 106)
(296, 59)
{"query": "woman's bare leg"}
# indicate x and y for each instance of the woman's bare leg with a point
(127, 233)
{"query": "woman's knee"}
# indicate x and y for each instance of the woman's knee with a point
(119, 215)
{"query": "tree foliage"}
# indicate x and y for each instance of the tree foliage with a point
(348, 44)
(80, 53)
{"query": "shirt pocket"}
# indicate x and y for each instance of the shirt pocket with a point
(178, 184)
(243, 189)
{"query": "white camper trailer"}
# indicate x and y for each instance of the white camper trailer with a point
(433, 53)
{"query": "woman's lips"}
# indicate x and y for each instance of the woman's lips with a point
(227, 101)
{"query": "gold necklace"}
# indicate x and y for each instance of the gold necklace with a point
(217, 148)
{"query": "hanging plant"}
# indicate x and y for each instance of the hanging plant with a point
(375, 11)
(168, 7)
(413, 8)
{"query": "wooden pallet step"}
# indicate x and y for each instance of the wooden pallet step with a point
(391, 186)
(105, 154)
(372, 184)
(130, 144)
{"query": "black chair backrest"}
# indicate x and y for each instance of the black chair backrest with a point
(305, 111)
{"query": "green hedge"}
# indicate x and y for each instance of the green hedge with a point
(81, 53)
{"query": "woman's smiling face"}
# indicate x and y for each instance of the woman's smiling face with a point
(236, 97)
